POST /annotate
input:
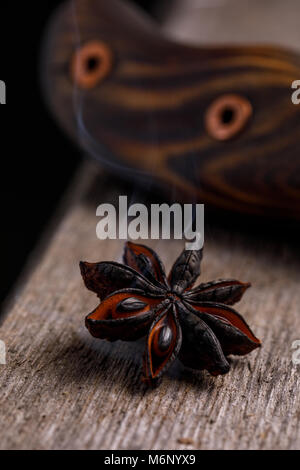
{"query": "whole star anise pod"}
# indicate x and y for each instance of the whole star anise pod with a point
(196, 325)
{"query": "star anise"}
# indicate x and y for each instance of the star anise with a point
(197, 325)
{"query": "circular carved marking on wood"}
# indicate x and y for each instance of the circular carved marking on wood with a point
(91, 63)
(227, 116)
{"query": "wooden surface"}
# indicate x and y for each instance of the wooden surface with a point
(62, 389)
(234, 21)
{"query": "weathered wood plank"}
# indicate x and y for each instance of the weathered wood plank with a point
(62, 389)
(234, 22)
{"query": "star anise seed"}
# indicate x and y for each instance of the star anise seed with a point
(197, 325)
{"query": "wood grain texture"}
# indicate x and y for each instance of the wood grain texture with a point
(154, 102)
(62, 389)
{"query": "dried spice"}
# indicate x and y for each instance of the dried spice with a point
(197, 325)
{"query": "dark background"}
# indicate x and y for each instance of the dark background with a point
(37, 160)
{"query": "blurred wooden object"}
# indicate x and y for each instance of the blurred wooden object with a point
(215, 125)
